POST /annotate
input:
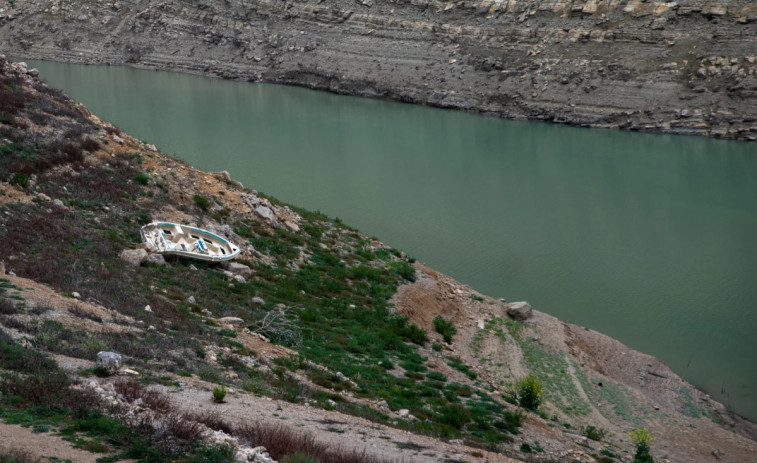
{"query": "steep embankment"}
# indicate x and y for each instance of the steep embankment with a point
(316, 327)
(685, 67)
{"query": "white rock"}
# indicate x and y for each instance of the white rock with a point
(264, 212)
(232, 321)
(133, 257)
(520, 310)
(192, 300)
(148, 308)
(108, 362)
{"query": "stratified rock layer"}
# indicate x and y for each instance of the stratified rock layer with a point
(684, 67)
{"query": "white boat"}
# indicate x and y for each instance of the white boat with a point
(181, 240)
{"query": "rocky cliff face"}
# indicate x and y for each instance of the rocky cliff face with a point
(687, 67)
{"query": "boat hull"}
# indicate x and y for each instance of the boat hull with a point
(173, 239)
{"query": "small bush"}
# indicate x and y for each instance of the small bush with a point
(202, 202)
(594, 433)
(219, 393)
(7, 307)
(454, 415)
(445, 328)
(142, 178)
(20, 179)
(525, 447)
(90, 144)
(642, 439)
(529, 392)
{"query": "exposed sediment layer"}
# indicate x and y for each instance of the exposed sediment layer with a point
(687, 67)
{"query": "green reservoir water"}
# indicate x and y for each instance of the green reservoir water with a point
(650, 239)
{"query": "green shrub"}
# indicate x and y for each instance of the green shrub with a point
(642, 439)
(594, 433)
(445, 328)
(415, 334)
(202, 202)
(454, 415)
(525, 447)
(297, 458)
(142, 178)
(20, 179)
(219, 393)
(529, 392)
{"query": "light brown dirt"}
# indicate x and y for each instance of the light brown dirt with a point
(653, 390)
(41, 445)
(330, 427)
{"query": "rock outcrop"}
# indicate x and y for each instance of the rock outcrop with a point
(687, 67)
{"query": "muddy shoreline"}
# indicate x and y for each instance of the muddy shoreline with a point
(682, 68)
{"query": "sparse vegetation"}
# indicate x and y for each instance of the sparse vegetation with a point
(594, 433)
(219, 394)
(642, 439)
(529, 392)
(445, 328)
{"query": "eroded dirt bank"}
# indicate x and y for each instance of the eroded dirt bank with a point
(684, 67)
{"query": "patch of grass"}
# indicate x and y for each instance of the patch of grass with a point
(458, 365)
(445, 328)
(201, 201)
(594, 433)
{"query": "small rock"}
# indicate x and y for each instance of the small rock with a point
(717, 454)
(457, 441)
(117, 139)
(129, 372)
(43, 197)
(206, 312)
(133, 257)
(33, 72)
(404, 413)
(239, 279)
(151, 328)
(151, 147)
(232, 321)
(155, 259)
(257, 300)
(192, 300)
(520, 310)
(76, 295)
(238, 269)
(108, 362)
(59, 203)
(148, 309)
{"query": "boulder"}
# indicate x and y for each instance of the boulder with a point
(191, 300)
(520, 310)
(264, 212)
(155, 259)
(108, 363)
(133, 257)
(238, 269)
